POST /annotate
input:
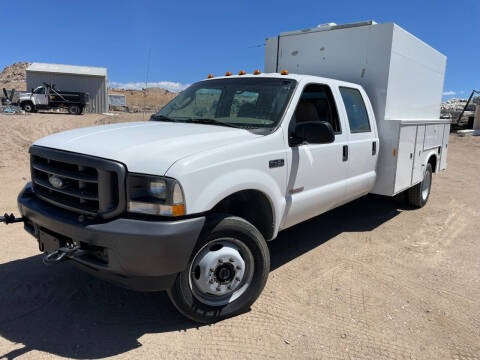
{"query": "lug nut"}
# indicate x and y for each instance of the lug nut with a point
(232, 259)
(210, 281)
(218, 288)
(229, 287)
(237, 278)
(212, 269)
(239, 267)
(220, 261)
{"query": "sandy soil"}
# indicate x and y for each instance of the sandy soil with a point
(367, 280)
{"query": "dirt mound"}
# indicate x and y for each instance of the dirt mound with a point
(151, 99)
(14, 76)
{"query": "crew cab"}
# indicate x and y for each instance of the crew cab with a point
(187, 201)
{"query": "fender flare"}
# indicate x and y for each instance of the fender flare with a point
(241, 180)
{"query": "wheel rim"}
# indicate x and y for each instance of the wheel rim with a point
(426, 185)
(221, 271)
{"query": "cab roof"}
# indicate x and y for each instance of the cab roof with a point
(297, 77)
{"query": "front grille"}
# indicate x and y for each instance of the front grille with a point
(78, 183)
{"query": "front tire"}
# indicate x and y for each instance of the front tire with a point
(418, 195)
(28, 107)
(226, 273)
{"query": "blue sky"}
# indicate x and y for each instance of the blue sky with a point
(189, 39)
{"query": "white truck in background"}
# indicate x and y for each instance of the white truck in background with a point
(186, 202)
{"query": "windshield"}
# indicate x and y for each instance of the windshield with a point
(247, 103)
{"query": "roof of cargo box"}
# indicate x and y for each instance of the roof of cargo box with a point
(329, 26)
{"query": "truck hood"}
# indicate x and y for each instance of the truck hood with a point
(145, 147)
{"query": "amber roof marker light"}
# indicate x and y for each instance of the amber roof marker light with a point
(210, 76)
(256, 72)
(228, 73)
(241, 72)
(284, 72)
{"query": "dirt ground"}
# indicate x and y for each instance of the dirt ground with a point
(370, 280)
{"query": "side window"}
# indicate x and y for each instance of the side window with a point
(317, 104)
(356, 111)
(39, 90)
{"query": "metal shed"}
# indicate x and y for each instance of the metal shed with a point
(88, 79)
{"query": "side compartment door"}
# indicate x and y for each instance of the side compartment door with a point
(362, 148)
(443, 155)
(419, 156)
(318, 173)
(406, 148)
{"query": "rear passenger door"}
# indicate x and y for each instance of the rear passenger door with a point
(362, 148)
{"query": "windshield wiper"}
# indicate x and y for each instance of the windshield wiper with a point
(157, 117)
(214, 122)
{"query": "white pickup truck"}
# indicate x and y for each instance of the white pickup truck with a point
(188, 200)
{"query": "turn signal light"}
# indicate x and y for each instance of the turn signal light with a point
(228, 73)
(394, 152)
(241, 72)
(210, 76)
(284, 72)
(256, 72)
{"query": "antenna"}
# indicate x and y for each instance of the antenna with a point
(146, 82)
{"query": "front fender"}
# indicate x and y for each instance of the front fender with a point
(235, 181)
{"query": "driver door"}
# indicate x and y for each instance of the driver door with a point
(40, 96)
(318, 173)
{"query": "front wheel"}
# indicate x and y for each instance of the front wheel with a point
(418, 195)
(28, 107)
(226, 274)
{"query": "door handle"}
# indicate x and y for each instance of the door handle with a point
(345, 152)
(374, 148)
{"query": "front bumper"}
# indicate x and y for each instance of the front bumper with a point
(140, 255)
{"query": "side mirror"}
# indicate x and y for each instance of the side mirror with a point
(314, 132)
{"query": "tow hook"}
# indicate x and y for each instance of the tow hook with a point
(10, 219)
(59, 255)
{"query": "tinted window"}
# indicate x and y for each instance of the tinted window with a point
(356, 111)
(317, 104)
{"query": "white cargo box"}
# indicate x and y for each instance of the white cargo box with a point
(403, 77)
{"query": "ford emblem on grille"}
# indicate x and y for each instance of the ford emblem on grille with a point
(55, 181)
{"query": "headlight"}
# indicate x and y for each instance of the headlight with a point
(155, 195)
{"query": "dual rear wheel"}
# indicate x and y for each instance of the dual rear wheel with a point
(418, 195)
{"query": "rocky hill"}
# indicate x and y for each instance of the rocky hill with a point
(14, 76)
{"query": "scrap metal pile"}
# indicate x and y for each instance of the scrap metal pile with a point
(7, 106)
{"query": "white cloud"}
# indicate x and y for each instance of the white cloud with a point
(169, 85)
(449, 93)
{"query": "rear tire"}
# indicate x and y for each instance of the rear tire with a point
(74, 109)
(227, 271)
(418, 195)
